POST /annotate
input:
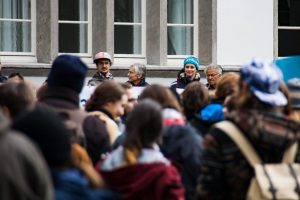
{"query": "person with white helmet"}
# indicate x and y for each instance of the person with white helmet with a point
(103, 63)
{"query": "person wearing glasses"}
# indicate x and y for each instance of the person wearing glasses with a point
(103, 63)
(213, 74)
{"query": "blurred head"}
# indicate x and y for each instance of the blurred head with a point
(68, 72)
(15, 77)
(103, 62)
(110, 96)
(131, 99)
(213, 74)
(194, 98)
(227, 85)
(50, 134)
(161, 95)
(15, 98)
(143, 125)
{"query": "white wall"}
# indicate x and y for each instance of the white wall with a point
(244, 30)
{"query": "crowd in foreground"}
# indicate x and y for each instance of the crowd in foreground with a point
(162, 145)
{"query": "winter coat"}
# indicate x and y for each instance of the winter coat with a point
(183, 146)
(152, 177)
(99, 78)
(225, 172)
(183, 81)
(96, 135)
(71, 184)
(143, 83)
(23, 171)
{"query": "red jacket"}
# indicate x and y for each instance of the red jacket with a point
(157, 181)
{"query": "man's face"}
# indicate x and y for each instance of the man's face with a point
(212, 77)
(117, 108)
(190, 70)
(132, 101)
(103, 66)
(132, 75)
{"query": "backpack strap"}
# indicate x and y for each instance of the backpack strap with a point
(232, 131)
(290, 153)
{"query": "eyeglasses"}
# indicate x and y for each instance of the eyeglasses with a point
(212, 75)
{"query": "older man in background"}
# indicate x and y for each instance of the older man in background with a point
(213, 74)
(137, 75)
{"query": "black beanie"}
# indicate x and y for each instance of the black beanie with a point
(67, 71)
(46, 129)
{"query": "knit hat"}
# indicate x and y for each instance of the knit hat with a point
(67, 71)
(47, 130)
(290, 67)
(264, 78)
(294, 89)
(192, 60)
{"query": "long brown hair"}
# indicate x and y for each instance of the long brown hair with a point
(108, 91)
(162, 95)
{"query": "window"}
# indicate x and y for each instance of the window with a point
(17, 31)
(74, 26)
(288, 27)
(182, 28)
(129, 29)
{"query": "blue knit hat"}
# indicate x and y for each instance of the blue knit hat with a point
(192, 60)
(290, 67)
(264, 78)
(67, 71)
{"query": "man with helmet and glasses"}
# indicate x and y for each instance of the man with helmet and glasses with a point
(103, 63)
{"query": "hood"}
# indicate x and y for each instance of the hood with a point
(212, 113)
(172, 117)
(145, 181)
(267, 130)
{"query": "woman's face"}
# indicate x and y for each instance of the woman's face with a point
(190, 71)
(117, 108)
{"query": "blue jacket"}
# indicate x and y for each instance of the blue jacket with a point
(73, 185)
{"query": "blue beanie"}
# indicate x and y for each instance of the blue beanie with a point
(67, 71)
(192, 60)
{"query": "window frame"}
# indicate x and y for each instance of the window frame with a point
(277, 28)
(89, 34)
(195, 34)
(10, 56)
(119, 57)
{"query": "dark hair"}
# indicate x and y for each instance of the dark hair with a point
(143, 125)
(161, 95)
(17, 97)
(107, 91)
(194, 97)
(126, 86)
(227, 85)
(16, 74)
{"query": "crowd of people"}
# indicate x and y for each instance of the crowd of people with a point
(162, 145)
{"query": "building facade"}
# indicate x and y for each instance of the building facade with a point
(158, 33)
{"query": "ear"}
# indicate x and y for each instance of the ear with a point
(6, 112)
(139, 76)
